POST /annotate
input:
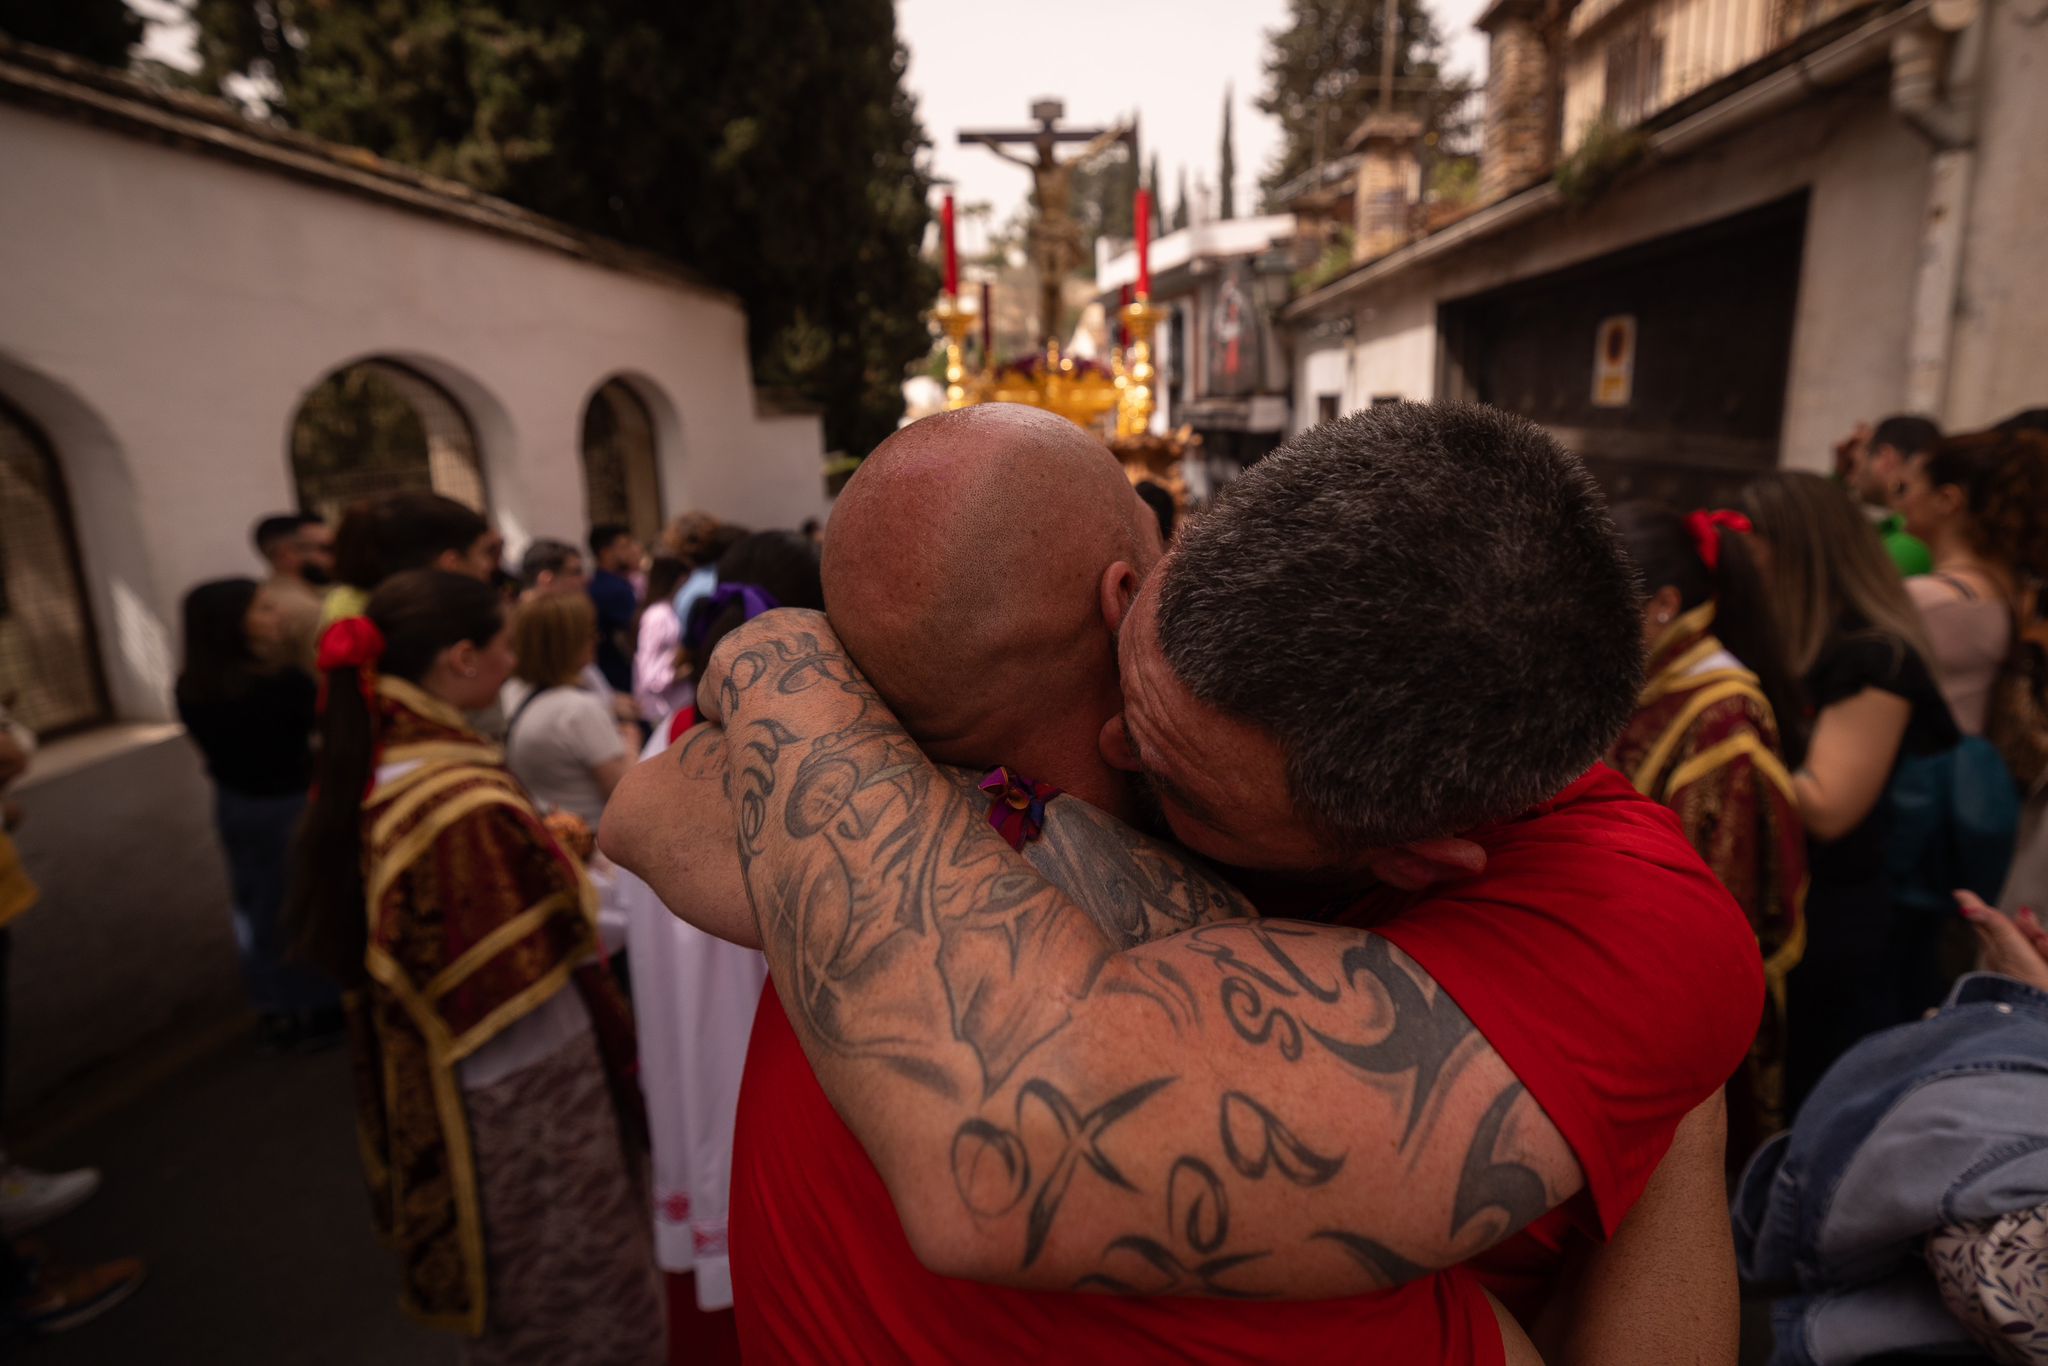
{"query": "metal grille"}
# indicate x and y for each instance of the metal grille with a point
(49, 671)
(377, 428)
(620, 483)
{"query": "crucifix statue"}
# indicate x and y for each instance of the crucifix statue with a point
(1055, 240)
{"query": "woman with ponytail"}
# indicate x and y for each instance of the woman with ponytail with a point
(1706, 741)
(493, 1051)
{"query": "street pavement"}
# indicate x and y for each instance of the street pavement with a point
(236, 1179)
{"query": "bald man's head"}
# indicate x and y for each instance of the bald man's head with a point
(965, 569)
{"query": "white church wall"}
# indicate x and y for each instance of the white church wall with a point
(163, 313)
(187, 304)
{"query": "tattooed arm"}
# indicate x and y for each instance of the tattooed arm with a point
(1240, 1109)
(671, 823)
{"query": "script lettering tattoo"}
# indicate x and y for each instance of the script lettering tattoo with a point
(992, 1166)
(1254, 1139)
(1197, 1215)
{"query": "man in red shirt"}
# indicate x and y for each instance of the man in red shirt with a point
(1589, 892)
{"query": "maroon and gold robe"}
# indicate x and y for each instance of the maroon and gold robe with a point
(1704, 743)
(476, 917)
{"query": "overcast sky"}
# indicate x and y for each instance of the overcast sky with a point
(979, 64)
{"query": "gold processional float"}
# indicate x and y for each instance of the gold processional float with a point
(1115, 402)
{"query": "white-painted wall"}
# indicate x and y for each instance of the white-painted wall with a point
(1321, 366)
(1999, 354)
(163, 313)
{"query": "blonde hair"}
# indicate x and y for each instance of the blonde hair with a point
(1827, 561)
(551, 633)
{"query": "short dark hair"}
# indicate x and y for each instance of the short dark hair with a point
(281, 526)
(2026, 420)
(397, 532)
(604, 533)
(1426, 604)
(1155, 496)
(784, 564)
(545, 556)
(1907, 433)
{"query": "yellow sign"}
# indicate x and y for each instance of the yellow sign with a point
(1614, 361)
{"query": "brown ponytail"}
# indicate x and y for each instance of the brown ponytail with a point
(420, 614)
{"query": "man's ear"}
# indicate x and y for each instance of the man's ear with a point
(1118, 588)
(1424, 863)
(452, 561)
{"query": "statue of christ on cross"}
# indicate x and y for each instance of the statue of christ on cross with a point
(1055, 240)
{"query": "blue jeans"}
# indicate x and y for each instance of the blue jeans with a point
(257, 834)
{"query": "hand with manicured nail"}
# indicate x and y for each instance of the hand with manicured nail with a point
(2016, 946)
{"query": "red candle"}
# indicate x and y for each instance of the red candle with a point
(1123, 301)
(988, 330)
(952, 257)
(1144, 216)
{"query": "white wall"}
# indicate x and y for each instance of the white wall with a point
(163, 312)
(162, 315)
(1321, 366)
(1998, 361)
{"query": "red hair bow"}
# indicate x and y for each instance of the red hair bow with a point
(1704, 523)
(351, 643)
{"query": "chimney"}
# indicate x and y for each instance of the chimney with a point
(1389, 183)
(1518, 143)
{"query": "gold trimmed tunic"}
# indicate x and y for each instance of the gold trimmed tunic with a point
(1704, 743)
(476, 917)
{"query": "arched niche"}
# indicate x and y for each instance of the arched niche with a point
(378, 426)
(621, 468)
(50, 676)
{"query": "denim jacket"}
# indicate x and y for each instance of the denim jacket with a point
(1937, 1122)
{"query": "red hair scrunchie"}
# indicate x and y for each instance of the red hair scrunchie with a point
(1703, 524)
(351, 643)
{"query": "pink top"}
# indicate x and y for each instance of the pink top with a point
(656, 689)
(1970, 628)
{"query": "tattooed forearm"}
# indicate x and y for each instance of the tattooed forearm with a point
(1133, 1088)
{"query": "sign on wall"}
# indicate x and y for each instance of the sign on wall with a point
(1614, 361)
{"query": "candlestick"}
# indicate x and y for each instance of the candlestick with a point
(952, 257)
(988, 330)
(1134, 404)
(1144, 224)
(956, 322)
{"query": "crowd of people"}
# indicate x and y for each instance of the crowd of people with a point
(1365, 691)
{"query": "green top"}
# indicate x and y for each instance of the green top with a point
(1908, 551)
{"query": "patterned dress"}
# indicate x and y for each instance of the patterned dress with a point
(1703, 742)
(511, 1202)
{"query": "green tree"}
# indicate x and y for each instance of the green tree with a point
(781, 160)
(98, 30)
(1104, 195)
(1180, 208)
(1322, 78)
(1158, 198)
(1228, 172)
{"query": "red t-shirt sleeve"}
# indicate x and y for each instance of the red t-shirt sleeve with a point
(1603, 962)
